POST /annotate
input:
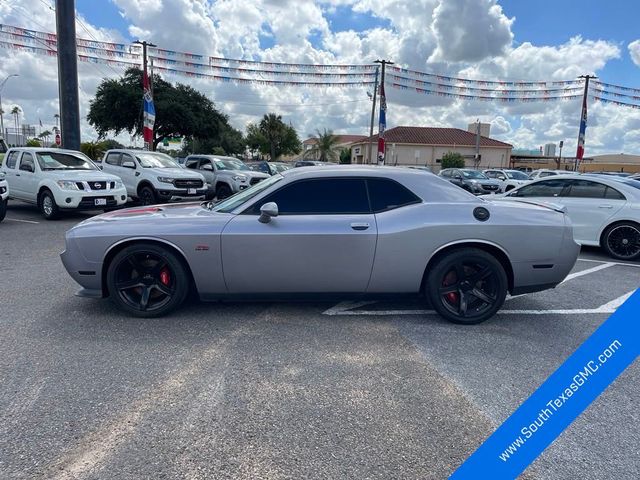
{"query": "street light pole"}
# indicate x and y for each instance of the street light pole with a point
(1, 112)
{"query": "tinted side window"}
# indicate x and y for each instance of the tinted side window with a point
(386, 194)
(491, 174)
(331, 196)
(546, 174)
(113, 159)
(586, 189)
(11, 160)
(191, 163)
(548, 188)
(446, 173)
(613, 194)
(26, 164)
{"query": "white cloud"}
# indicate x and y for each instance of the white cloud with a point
(634, 51)
(467, 38)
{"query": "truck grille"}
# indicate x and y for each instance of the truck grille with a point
(188, 183)
(490, 187)
(99, 185)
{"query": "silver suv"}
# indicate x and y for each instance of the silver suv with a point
(225, 175)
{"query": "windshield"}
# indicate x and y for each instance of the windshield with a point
(156, 160)
(516, 175)
(64, 161)
(473, 174)
(243, 196)
(281, 167)
(230, 164)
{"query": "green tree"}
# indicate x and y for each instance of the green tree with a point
(93, 150)
(180, 111)
(33, 142)
(44, 136)
(110, 144)
(273, 137)
(452, 160)
(345, 156)
(15, 111)
(326, 147)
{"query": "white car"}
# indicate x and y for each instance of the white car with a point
(4, 196)
(154, 177)
(605, 211)
(542, 173)
(58, 180)
(510, 179)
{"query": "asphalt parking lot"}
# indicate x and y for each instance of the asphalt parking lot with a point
(286, 390)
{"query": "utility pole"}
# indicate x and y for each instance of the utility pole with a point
(583, 122)
(148, 142)
(373, 115)
(382, 118)
(68, 73)
(560, 154)
(476, 159)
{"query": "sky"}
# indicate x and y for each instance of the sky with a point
(507, 40)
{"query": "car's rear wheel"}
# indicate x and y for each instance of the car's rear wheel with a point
(223, 191)
(48, 206)
(147, 280)
(467, 286)
(622, 241)
(147, 196)
(3, 209)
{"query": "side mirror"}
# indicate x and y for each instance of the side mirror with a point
(267, 211)
(502, 177)
(208, 167)
(129, 164)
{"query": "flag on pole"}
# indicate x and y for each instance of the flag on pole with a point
(582, 131)
(40, 122)
(382, 125)
(149, 117)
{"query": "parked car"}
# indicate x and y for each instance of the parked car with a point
(611, 174)
(225, 175)
(311, 163)
(4, 196)
(153, 177)
(537, 174)
(509, 179)
(270, 168)
(473, 181)
(605, 212)
(58, 180)
(347, 231)
(420, 167)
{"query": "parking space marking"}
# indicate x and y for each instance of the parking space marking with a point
(19, 220)
(612, 263)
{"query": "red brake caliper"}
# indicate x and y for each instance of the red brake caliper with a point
(450, 279)
(165, 276)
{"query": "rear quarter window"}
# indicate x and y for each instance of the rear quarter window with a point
(385, 194)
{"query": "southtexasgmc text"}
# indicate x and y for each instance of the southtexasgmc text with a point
(347, 231)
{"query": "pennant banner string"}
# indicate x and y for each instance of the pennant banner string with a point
(484, 98)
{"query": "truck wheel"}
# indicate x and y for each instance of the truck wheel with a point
(48, 206)
(147, 196)
(3, 209)
(223, 191)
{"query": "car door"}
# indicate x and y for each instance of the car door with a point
(323, 240)
(129, 174)
(590, 204)
(457, 178)
(10, 168)
(206, 168)
(27, 178)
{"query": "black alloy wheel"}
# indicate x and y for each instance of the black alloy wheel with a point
(467, 286)
(223, 191)
(147, 196)
(147, 280)
(622, 241)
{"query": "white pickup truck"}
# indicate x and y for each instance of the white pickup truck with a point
(57, 180)
(153, 177)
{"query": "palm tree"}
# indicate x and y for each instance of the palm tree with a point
(15, 111)
(45, 136)
(326, 146)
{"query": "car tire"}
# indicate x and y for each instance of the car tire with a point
(223, 191)
(622, 241)
(3, 209)
(466, 286)
(48, 206)
(147, 280)
(147, 196)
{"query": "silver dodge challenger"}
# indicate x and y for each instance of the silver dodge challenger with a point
(341, 231)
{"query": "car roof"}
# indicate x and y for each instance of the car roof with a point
(45, 149)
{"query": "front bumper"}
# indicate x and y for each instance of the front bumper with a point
(87, 274)
(176, 195)
(78, 200)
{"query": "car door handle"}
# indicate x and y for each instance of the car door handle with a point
(605, 206)
(359, 226)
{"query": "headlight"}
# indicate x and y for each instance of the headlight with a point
(118, 184)
(166, 179)
(240, 178)
(68, 185)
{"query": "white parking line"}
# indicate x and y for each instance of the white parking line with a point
(587, 271)
(19, 220)
(612, 263)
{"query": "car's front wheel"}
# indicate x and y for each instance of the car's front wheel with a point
(223, 191)
(467, 286)
(48, 206)
(3, 209)
(622, 241)
(147, 196)
(147, 280)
